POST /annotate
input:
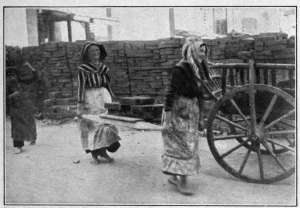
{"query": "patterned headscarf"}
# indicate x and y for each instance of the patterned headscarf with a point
(84, 52)
(194, 51)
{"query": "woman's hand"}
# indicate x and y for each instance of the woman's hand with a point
(114, 98)
(166, 116)
(29, 65)
(80, 108)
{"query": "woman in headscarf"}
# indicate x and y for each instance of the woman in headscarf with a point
(93, 92)
(180, 127)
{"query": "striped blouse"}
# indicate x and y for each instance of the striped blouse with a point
(90, 77)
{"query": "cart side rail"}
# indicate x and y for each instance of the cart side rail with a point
(237, 74)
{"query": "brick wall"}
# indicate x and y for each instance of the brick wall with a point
(143, 67)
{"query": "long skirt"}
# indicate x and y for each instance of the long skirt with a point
(94, 137)
(104, 134)
(23, 126)
(181, 137)
(95, 99)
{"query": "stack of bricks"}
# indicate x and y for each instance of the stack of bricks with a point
(154, 58)
(144, 67)
(117, 63)
(275, 48)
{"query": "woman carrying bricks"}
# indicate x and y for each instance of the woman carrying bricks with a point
(181, 118)
(93, 92)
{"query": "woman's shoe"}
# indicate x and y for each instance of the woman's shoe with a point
(173, 180)
(17, 150)
(104, 154)
(183, 187)
(110, 159)
(96, 161)
(95, 158)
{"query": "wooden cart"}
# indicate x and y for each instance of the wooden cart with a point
(251, 126)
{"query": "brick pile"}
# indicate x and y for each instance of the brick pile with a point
(143, 67)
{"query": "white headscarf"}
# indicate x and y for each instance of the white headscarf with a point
(194, 51)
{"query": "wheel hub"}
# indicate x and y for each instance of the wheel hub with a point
(259, 132)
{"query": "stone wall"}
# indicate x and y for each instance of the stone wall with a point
(143, 67)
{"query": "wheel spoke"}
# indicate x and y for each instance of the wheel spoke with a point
(260, 163)
(274, 156)
(269, 110)
(273, 147)
(233, 149)
(226, 137)
(281, 145)
(239, 110)
(289, 141)
(231, 122)
(244, 161)
(281, 132)
(279, 119)
(287, 124)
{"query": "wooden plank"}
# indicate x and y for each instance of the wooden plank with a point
(270, 66)
(275, 66)
(229, 65)
(121, 118)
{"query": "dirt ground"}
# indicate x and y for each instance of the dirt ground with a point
(46, 174)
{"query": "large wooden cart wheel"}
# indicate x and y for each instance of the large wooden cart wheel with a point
(258, 144)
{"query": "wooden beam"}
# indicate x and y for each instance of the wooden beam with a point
(270, 66)
(69, 30)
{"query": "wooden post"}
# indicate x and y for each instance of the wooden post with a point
(266, 76)
(51, 31)
(109, 27)
(172, 22)
(226, 17)
(214, 20)
(291, 75)
(231, 77)
(273, 77)
(252, 96)
(69, 30)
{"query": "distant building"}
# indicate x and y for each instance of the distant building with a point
(32, 27)
(29, 26)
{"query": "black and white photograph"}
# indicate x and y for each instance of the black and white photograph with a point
(149, 103)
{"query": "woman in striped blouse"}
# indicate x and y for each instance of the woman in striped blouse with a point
(93, 92)
(94, 81)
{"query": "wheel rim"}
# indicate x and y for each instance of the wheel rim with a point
(260, 155)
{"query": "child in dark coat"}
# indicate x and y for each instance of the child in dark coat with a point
(21, 111)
